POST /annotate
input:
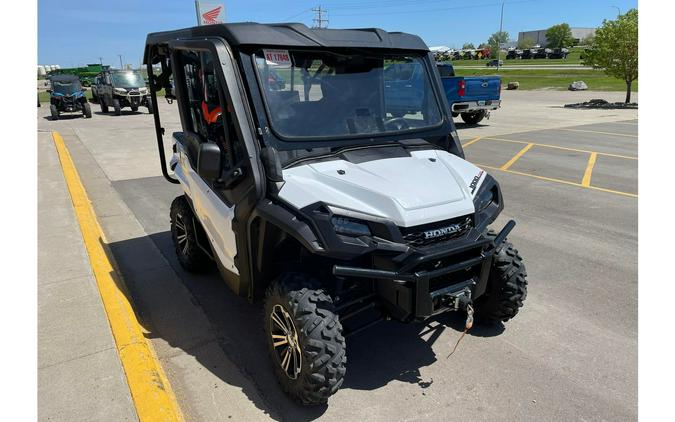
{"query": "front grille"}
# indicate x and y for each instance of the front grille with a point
(437, 232)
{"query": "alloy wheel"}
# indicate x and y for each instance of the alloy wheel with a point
(181, 234)
(285, 341)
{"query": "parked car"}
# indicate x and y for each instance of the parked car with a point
(66, 95)
(513, 54)
(122, 88)
(471, 97)
(494, 63)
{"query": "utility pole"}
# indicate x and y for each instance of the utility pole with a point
(100, 59)
(121, 67)
(501, 21)
(319, 20)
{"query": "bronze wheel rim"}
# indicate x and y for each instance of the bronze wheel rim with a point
(285, 342)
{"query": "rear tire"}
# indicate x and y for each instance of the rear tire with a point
(184, 235)
(507, 285)
(54, 111)
(117, 107)
(310, 354)
(86, 110)
(474, 117)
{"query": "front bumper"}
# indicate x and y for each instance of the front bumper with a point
(133, 99)
(469, 106)
(427, 284)
(68, 104)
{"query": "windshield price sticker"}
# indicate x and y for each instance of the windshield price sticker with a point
(280, 58)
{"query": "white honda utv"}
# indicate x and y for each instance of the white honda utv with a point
(309, 190)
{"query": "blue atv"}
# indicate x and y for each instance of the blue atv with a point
(67, 95)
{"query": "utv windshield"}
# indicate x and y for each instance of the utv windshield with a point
(66, 88)
(127, 80)
(324, 94)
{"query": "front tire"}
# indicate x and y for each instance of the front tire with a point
(54, 111)
(304, 338)
(117, 107)
(150, 108)
(184, 234)
(507, 285)
(86, 110)
(474, 118)
(104, 105)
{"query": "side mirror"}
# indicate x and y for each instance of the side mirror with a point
(208, 162)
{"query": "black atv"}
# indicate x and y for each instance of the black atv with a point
(122, 88)
(67, 95)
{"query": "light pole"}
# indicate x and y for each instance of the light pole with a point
(121, 67)
(100, 59)
(501, 21)
(617, 9)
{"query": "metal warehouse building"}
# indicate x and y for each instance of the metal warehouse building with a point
(539, 36)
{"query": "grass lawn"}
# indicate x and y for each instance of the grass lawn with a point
(552, 78)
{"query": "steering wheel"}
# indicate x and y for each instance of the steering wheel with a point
(397, 123)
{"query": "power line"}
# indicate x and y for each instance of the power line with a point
(319, 20)
(416, 10)
(296, 15)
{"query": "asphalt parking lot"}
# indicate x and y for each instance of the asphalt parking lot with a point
(569, 179)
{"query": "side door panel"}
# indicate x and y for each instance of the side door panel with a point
(222, 211)
(214, 214)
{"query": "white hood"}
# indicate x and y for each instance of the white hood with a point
(429, 186)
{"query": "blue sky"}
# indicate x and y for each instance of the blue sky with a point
(75, 32)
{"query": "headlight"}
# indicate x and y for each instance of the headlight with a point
(143, 90)
(349, 227)
(120, 91)
(484, 199)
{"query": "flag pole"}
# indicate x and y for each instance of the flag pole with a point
(199, 21)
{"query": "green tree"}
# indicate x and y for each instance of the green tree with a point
(468, 46)
(615, 49)
(495, 40)
(559, 36)
(526, 43)
(588, 40)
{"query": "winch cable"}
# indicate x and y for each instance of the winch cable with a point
(467, 327)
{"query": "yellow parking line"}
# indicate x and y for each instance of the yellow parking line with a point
(566, 182)
(476, 139)
(586, 181)
(596, 131)
(150, 389)
(562, 148)
(516, 157)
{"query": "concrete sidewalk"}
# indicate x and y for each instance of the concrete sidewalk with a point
(80, 377)
(181, 335)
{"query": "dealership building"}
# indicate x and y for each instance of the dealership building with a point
(539, 36)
